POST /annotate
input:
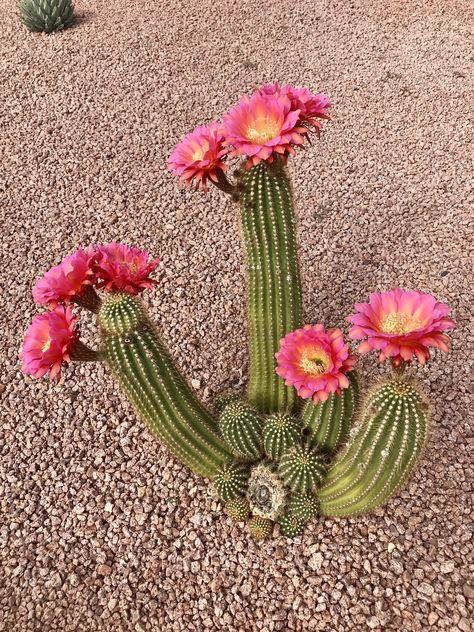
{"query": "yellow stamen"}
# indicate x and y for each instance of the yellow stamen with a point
(262, 130)
(314, 364)
(46, 345)
(399, 323)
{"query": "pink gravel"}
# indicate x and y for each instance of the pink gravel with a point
(100, 529)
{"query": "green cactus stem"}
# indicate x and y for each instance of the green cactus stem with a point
(383, 451)
(231, 481)
(238, 509)
(326, 424)
(280, 432)
(241, 428)
(260, 528)
(303, 506)
(274, 291)
(291, 526)
(223, 400)
(146, 372)
(301, 468)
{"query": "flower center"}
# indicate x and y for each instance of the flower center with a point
(399, 323)
(200, 151)
(315, 363)
(262, 130)
(46, 345)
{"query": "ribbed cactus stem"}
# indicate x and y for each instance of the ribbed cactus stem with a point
(147, 374)
(327, 423)
(274, 292)
(379, 457)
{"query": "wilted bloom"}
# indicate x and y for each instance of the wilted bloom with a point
(123, 268)
(49, 341)
(66, 281)
(262, 126)
(311, 106)
(199, 156)
(401, 325)
(315, 361)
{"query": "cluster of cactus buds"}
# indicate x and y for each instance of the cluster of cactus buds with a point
(272, 457)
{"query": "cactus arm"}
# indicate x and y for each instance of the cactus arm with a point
(274, 291)
(328, 422)
(160, 394)
(381, 454)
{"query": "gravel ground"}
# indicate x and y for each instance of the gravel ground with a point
(100, 528)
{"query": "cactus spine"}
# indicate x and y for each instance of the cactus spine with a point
(241, 428)
(231, 481)
(291, 526)
(148, 375)
(238, 509)
(378, 459)
(328, 422)
(260, 528)
(274, 292)
(303, 506)
(301, 468)
(280, 432)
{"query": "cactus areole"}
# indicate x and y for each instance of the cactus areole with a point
(306, 440)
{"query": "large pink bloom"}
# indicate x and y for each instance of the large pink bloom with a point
(315, 361)
(122, 268)
(199, 156)
(69, 279)
(311, 106)
(48, 342)
(401, 325)
(262, 126)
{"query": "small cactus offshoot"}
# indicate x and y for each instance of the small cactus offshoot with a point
(303, 506)
(223, 400)
(301, 468)
(260, 528)
(238, 509)
(280, 432)
(46, 16)
(379, 457)
(241, 428)
(291, 526)
(231, 481)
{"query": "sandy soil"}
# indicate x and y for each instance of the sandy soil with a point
(100, 529)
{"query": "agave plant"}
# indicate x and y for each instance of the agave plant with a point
(46, 16)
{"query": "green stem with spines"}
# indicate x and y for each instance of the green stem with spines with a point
(382, 453)
(274, 289)
(328, 422)
(146, 372)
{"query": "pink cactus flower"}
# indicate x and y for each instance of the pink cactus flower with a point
(48, 342)
(311, 106)
(124, 269)
(199, 156)
(315, 362)
(263, 126)
(401, 325)
(66, 281)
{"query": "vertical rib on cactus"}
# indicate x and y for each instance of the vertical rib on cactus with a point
(328, 422)
(148, 375)
(274, 292)
(381, 455)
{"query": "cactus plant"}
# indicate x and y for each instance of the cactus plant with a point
(280, 432)
(378, 459)
(301, 468)
(231, 481)
(291, 526)
(303, 506)
(260, 528)
(46, 16)
(274, 293)
(326, 424)
(241, 428)
(238, 509)
(223, 400)
(144, 369)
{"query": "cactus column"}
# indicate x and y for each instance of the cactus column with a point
(148, 375)
(274, 291)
